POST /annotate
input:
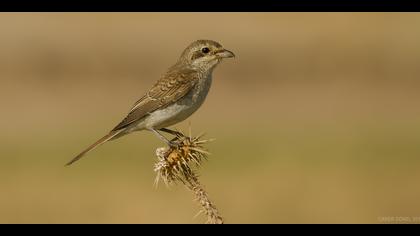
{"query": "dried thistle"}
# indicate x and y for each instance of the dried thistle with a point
(181, 164)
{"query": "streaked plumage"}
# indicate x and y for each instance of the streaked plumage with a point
(171, 87)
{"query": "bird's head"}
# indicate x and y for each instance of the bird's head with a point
(204, 54)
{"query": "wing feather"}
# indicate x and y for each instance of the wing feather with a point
(167, 90)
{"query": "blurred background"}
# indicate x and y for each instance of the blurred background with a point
(317, 119)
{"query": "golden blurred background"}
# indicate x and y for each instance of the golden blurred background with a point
(317, 119)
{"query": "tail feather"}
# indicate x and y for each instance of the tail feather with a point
(95, 145)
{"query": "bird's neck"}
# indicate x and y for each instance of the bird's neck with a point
(204, 69)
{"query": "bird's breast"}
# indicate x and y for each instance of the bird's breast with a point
(183, 108)
(200, 91)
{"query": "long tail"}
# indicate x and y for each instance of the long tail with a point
(105, 138)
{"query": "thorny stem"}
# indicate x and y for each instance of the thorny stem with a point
(180, 164)
(213, 216)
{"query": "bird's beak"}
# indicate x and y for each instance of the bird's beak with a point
(224, 53)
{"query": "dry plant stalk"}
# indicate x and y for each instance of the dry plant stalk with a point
(181, 164)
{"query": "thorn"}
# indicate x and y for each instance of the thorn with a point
(200, 150)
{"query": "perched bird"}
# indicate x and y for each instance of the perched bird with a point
(174, 97)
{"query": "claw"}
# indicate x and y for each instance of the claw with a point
(174, 144)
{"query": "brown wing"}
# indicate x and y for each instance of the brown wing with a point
(171, 87)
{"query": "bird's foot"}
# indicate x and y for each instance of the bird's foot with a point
(176, 142)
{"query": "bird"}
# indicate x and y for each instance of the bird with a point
(174, 97)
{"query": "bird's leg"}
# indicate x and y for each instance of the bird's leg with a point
(173, 132)
(180, 136)
(170, 143)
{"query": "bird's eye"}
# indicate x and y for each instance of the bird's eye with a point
(205, 50)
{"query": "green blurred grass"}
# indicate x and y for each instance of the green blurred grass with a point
(314, 174)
